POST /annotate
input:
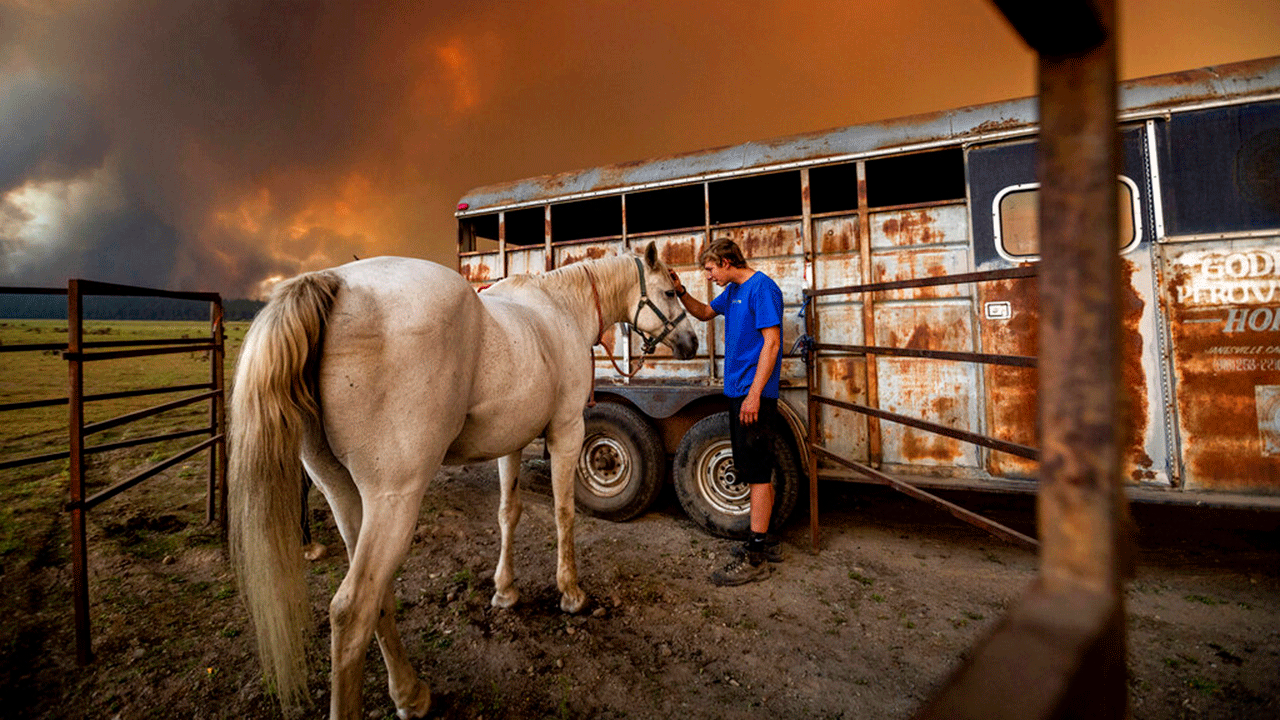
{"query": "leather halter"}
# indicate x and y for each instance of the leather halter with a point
(650, 341)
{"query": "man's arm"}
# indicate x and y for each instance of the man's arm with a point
(764, 368)
(696, 307)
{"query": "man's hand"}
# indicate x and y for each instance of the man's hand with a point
(675, 280)
(750, 411)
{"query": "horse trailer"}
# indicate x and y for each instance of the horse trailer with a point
(906, 251)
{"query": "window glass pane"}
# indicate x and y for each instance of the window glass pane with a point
(525, 227)
(908, 179)
(1020, 220)
(758, 197)
(480, 233)
(833, 188)
(1020, 223)
(666, 209)
(594, 218)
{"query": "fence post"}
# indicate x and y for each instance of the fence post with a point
(75, 471)
(216, 504)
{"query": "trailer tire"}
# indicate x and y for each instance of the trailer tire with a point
(706, 486)
(621, 464)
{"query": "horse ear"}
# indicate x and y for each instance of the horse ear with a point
(651, 256)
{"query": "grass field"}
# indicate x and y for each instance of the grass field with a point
(31, 497)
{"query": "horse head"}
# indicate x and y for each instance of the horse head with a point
(659, 315)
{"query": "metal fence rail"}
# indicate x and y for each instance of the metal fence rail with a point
(74, 352)
(817, 348)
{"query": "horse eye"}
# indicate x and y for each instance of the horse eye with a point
(671, 293)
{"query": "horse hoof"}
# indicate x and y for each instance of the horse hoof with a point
(505, 599)
(574, 603)
(418, 704)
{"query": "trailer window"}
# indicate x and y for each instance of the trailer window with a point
(910, 179)
(758, 197)
(480, 233)
(594, 218)
(1219, 169)
(833, 188)
(526, 226)
(1017, 219)
(674, 208)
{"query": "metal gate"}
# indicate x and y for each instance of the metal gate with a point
(77, 352)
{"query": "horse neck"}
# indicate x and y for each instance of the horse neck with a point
(614, 278)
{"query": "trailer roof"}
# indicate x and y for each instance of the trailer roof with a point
(1222, 84)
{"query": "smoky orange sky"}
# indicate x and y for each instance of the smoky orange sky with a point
(212, 144)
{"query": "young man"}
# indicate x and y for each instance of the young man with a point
(752, 307)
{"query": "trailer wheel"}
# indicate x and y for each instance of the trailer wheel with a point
(707, 484)
(620, 468)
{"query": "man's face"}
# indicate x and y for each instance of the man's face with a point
(717, 272)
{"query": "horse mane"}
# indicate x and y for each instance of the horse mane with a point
(612, 275)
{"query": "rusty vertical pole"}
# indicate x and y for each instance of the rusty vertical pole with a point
(1082, 513)
(811, 370)
(874, 451)
(1060, 653)
(216, 506)
(809, 246)
(1081, 505)
(75, 472)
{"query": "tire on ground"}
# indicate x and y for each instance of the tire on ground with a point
(706, 483)
(621, 465)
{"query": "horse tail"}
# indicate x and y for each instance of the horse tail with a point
(274, 399)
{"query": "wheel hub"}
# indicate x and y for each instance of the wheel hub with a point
(718, 481)
(604, 466)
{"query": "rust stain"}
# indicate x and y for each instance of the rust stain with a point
(1217, 378)
(914, 227)
(840, 236)
(1012, 410)
(680, 252)
(1138, 464)
(477, 272)
(919, 446)
(765, 240)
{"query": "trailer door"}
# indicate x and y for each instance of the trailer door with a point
(1004, 207)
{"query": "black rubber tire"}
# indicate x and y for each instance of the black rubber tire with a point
(622, 464)
(703, 474)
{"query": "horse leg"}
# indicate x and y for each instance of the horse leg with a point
(365, 602)
(509, 508)
(564, 442)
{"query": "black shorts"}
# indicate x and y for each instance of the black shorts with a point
(753, 444)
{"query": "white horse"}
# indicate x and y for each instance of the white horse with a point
(378, 372)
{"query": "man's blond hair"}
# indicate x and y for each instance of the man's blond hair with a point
(723, 249)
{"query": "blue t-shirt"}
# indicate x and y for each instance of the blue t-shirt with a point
(747, 309)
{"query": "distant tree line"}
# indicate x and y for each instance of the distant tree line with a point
(52, 307)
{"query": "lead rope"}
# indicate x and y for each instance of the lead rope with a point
(595, 293)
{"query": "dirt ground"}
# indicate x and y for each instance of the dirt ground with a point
(868, 628)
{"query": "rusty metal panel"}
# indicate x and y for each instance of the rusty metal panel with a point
(577, 252)
(678, 251)
(932, 390)
(526, 261)
(922, 226)
(764, 241)
(841, 323)
(930, 262)
(480, 268)
(1008, 312)
(1224, 327)
(926, 242)
(1009, 323)
(838, 261)
(841, 431)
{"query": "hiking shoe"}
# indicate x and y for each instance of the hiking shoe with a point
(740, 571)
(771, 551)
